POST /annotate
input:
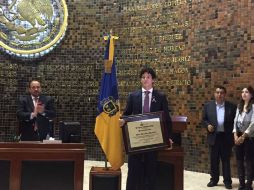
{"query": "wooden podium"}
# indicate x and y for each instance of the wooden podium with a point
(41, 166)
(171, 162)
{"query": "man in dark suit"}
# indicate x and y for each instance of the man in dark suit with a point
(142, 166)
(218, 119)
(34, 113)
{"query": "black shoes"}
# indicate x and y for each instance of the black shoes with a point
(228, 186)
(211, 184)
(241, 187)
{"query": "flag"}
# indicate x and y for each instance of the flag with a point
(107, 127)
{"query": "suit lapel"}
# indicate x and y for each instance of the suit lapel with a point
(139, 98)
(153, 101)
(214, 111)
(42, 99)
(226, 112)
(30, 102)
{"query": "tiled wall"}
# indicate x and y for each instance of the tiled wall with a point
(193, 45)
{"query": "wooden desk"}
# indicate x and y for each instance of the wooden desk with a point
(16, 153)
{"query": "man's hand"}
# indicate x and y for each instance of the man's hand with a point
(33, 114)
(121, 122)
(210, 128)
(171, 144)
(40, 108)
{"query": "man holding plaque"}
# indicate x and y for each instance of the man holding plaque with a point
(142, 166)
(218, 119)
(34, 113)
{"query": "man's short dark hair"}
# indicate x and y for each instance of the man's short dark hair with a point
(149, 71)
(221, 87)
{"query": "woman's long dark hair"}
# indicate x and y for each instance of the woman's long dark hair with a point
(249, 106)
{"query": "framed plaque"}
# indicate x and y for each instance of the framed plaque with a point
(144, 132)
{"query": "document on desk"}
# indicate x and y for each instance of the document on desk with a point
(52, 141)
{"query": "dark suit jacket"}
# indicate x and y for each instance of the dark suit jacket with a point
(25, 108)
(210, 117)
(158, 103)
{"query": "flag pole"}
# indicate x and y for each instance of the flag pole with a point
(106, 161)
(107, 120)
(106, 164)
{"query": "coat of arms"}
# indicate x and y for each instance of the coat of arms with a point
(31, 28)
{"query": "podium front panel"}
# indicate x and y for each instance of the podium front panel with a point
(4, 174)
(165, 176)
(52, 166)
(50, 175)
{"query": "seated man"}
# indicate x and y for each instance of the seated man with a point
(34, 113)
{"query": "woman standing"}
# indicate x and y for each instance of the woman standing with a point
(244, 138)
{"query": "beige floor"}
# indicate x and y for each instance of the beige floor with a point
(192, 180)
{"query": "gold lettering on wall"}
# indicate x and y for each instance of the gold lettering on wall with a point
(181, 59)
(175, 82)
(174, 48)
(158, 34)
(179, 83)
(151, 6)
(179, 70)
(170, 37)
